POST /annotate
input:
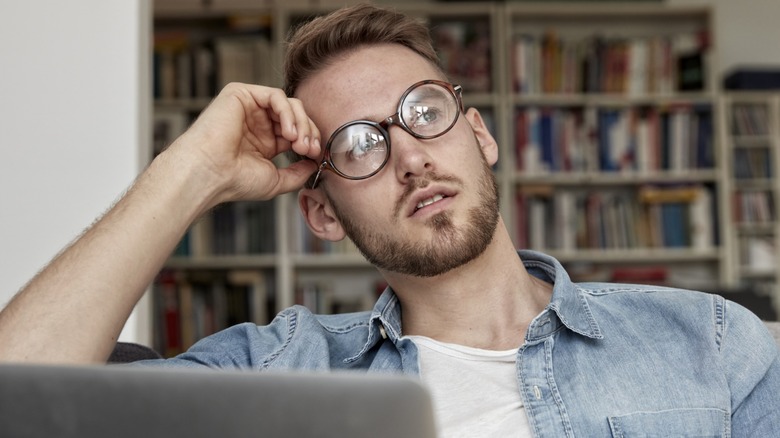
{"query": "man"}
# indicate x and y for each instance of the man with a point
(507, 344)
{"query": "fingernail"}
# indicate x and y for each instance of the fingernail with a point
(317, 143)
(306, 141)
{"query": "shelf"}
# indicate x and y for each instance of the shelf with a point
(647, 255)
(611, 100)
(182, 104)
(754, 183)
(627, 178)
(570, 11)
(752, 141)
(756, 229)
(223, 262)
(757, 274)
(335, 261)
(182, 9)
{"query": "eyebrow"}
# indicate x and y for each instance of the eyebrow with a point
(424, 92)
(421, 92)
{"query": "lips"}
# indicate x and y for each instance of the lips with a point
(425, 202)
(427, 197)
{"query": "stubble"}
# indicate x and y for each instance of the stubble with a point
(447, 248)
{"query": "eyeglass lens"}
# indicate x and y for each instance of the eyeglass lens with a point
(359, 149)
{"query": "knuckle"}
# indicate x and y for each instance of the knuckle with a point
(232, 86)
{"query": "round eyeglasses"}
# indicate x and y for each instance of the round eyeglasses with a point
(361, 148)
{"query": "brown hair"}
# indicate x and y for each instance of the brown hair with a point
(314, 44)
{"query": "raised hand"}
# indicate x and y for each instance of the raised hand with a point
(237, 136)
(89, 290)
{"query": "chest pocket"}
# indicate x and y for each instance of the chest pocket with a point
(700, 423)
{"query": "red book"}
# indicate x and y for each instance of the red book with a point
(640, 275)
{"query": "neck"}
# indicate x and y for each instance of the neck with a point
(487, 303)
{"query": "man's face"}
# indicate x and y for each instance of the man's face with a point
(434, 206)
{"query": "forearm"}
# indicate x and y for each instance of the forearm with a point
(75, 308)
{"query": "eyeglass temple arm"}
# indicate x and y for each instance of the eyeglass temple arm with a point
(322, 167)
(459, 93)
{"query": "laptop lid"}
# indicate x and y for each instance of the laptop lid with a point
(120, 401)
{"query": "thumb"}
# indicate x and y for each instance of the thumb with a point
(295, 175)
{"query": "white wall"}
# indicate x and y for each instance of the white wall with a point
(74, 118)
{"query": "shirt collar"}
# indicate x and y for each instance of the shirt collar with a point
(386, 316)
(569, 304)
(384, 323)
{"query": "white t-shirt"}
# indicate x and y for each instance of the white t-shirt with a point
(474, 391)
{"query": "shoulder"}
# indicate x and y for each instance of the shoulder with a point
(707, 307)
(697, 315)
(338, 323)
(774, 330)
(295, 338)
(612, 297)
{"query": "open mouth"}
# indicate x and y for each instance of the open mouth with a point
(426, 202)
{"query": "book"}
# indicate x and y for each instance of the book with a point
(167, 126)
(464, 52)
(243, 58)
(640, 275)
(204, 70)
(167, 324)
(680, 216)
(702, 212)
(193, 304)
(253, 301)
(691, 72)
(552, 63)
(749, 119)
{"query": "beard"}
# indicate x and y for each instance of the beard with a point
(449, 247)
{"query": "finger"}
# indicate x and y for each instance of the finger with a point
(283, 109)
(280, 113)
(316, 143)
(294, 176)
(308, 143)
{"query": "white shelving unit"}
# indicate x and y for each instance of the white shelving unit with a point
(751, 129)
(497, 27)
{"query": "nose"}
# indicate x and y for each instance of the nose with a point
(410, 156)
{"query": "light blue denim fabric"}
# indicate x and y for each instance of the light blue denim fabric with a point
(601, 360)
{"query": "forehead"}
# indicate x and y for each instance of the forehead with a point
(363, 84)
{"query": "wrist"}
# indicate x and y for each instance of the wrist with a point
(188, 185)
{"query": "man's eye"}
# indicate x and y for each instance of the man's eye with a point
(424, 115)
(363, 144)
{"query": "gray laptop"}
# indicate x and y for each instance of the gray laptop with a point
(118, 401)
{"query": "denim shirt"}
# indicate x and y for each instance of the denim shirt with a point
(601, 360)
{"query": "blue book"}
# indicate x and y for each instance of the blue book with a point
(675, 224)
(546, 139)
(607, 119)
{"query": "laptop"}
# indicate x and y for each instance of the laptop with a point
(121, 401)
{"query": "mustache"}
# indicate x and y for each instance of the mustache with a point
(422, 182)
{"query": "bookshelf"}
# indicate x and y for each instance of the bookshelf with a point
(634, 183)
(751, 129)
(614, 140)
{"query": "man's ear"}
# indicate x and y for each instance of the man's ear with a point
(319, 216)
(483, 135)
